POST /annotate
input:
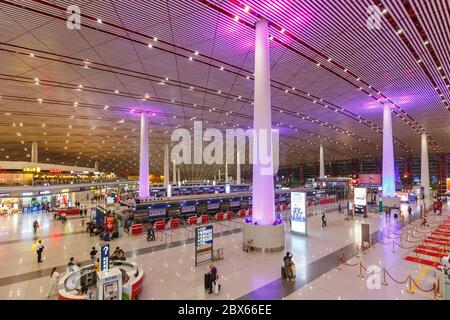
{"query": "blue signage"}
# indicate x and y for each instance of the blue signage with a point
(104, 257)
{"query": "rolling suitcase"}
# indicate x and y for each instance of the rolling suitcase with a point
(283, 272)
(207, 278)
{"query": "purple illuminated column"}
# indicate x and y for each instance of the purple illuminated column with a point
(424, 170)
(322, 163)
(238, 168)
(166, 166)
(388, 154)
(143, 164)
(263, 189)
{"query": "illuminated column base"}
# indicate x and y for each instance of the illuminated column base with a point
(264, 238)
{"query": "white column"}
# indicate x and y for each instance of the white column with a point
(166, 166)
(238, 168)
(219, 176)
(96, 166)
(143, 164)
(322, 163)
(388, 154)
(263, 189)
(226, 172)
(34, 152)
(179, 176)
(424, 170)
(174, 173)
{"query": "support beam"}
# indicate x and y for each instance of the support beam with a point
(96, 166)
(238, 168)
(34, 152)
(174, 173)
(322, 163)
(424, 166)
(388, 154)
(226, 172)
(144, 185)
(263, 188)
(166, 166)
(264, 234)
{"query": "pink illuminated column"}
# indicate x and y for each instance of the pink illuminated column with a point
(143, 164)
(166, 166)
(424, 169)
(388, 154)
(263, 189)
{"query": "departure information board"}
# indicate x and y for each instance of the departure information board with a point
(204, 238)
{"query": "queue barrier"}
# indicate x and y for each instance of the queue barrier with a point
(425, 248)
(229, 215)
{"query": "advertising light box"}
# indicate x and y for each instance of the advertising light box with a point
(360, 196)
(370, 179)
(298, 212)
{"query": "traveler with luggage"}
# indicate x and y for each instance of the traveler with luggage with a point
(288, 270)
(151, 234)
(211, 278)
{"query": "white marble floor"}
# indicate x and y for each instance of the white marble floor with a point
(170, 273)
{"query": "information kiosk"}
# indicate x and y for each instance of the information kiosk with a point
(109, 284)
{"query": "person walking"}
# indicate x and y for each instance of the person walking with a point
(409, 211)
(39, 250)
(93, 254)
(54, 278)
(339, 208)
(324, 220)
(63, 218)
(35, 226)
(212, 278)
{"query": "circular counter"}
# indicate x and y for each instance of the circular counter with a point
(70, 284)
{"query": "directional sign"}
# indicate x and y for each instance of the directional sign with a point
(104, 257)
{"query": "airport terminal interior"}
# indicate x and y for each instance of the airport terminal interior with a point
(224, 150)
